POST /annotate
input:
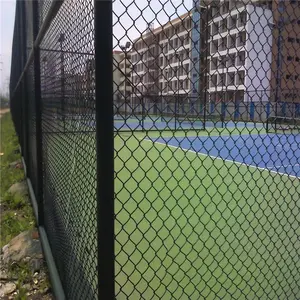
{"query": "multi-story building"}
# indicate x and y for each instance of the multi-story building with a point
(122, 71)
(166, 60)
(285, 79)
(254, 48)
(221, 51)
(240, 44)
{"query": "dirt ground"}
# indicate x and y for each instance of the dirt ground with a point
(3, 111)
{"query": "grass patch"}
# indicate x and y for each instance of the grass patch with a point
(15, 222)
(16, 211)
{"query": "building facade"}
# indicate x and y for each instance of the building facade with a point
(122, 72)
(235, 51)
(166, 60)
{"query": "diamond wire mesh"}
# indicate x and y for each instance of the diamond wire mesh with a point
(69, 156)
(206, 159)
(206, 107)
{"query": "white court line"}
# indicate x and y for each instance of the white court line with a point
(284, 166)
(226, 160)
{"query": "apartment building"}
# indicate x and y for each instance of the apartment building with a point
(285, 81)
(122, 72)
(254, 50)
(240, 45)
(166, 60)
(222, 51)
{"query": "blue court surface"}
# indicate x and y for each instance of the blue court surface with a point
(158, 124)
(275, 152)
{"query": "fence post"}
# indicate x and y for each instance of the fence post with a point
(105, 148)
(38, 117)
(252, 110)
(23, 95)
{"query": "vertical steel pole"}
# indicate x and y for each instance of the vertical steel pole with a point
(62, 74)
(278, 72)
(38, 118)
(207, 68)
(105, 148)
(25, 118)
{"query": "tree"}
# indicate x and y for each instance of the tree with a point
(4, 102)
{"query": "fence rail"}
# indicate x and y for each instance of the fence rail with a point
(161, 145)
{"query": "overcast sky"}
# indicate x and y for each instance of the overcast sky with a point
(129, 16)
(7, 18)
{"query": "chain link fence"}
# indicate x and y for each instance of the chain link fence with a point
(161, 143)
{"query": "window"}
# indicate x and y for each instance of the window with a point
(186, 84)
(240, 77)
(195, 75)
(181, 41)
(232, 22)
(241, 59)
(186, 37)
(187, 53)
(230, 78)
(288, 76)
(225, 7)
(222, 62)
(222, 79)
(231, 41)
(161, 61)
(223, 44)
(213, 81)
(186, 68)
(289, 58)
(223, 25)
(243, 18)
(214, 46)
(176, 43)
(214, 28)
(291, 40)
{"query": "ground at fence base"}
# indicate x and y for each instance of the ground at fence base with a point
(23, 273)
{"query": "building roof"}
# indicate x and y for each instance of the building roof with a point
(164, 26)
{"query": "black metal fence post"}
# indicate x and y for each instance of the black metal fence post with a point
(22, 88)
(105, 148)
(38, 117)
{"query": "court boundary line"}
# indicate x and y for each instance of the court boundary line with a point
(224, 160)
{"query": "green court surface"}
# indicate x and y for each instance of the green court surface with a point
(187, 226)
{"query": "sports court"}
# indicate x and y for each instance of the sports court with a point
(201, 208)
(130, 123)
(275, 152)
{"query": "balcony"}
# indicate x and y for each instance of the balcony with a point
(241, 40)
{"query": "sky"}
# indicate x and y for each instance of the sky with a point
(130, 18)
(7, 19)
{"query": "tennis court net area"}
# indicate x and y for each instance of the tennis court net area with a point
(213, 208)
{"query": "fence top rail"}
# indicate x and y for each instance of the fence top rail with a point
(54, 8)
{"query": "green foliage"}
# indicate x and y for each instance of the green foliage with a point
(14, 201)
(13, 223)
(8, 145)
(4, 102)
(22, 271)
